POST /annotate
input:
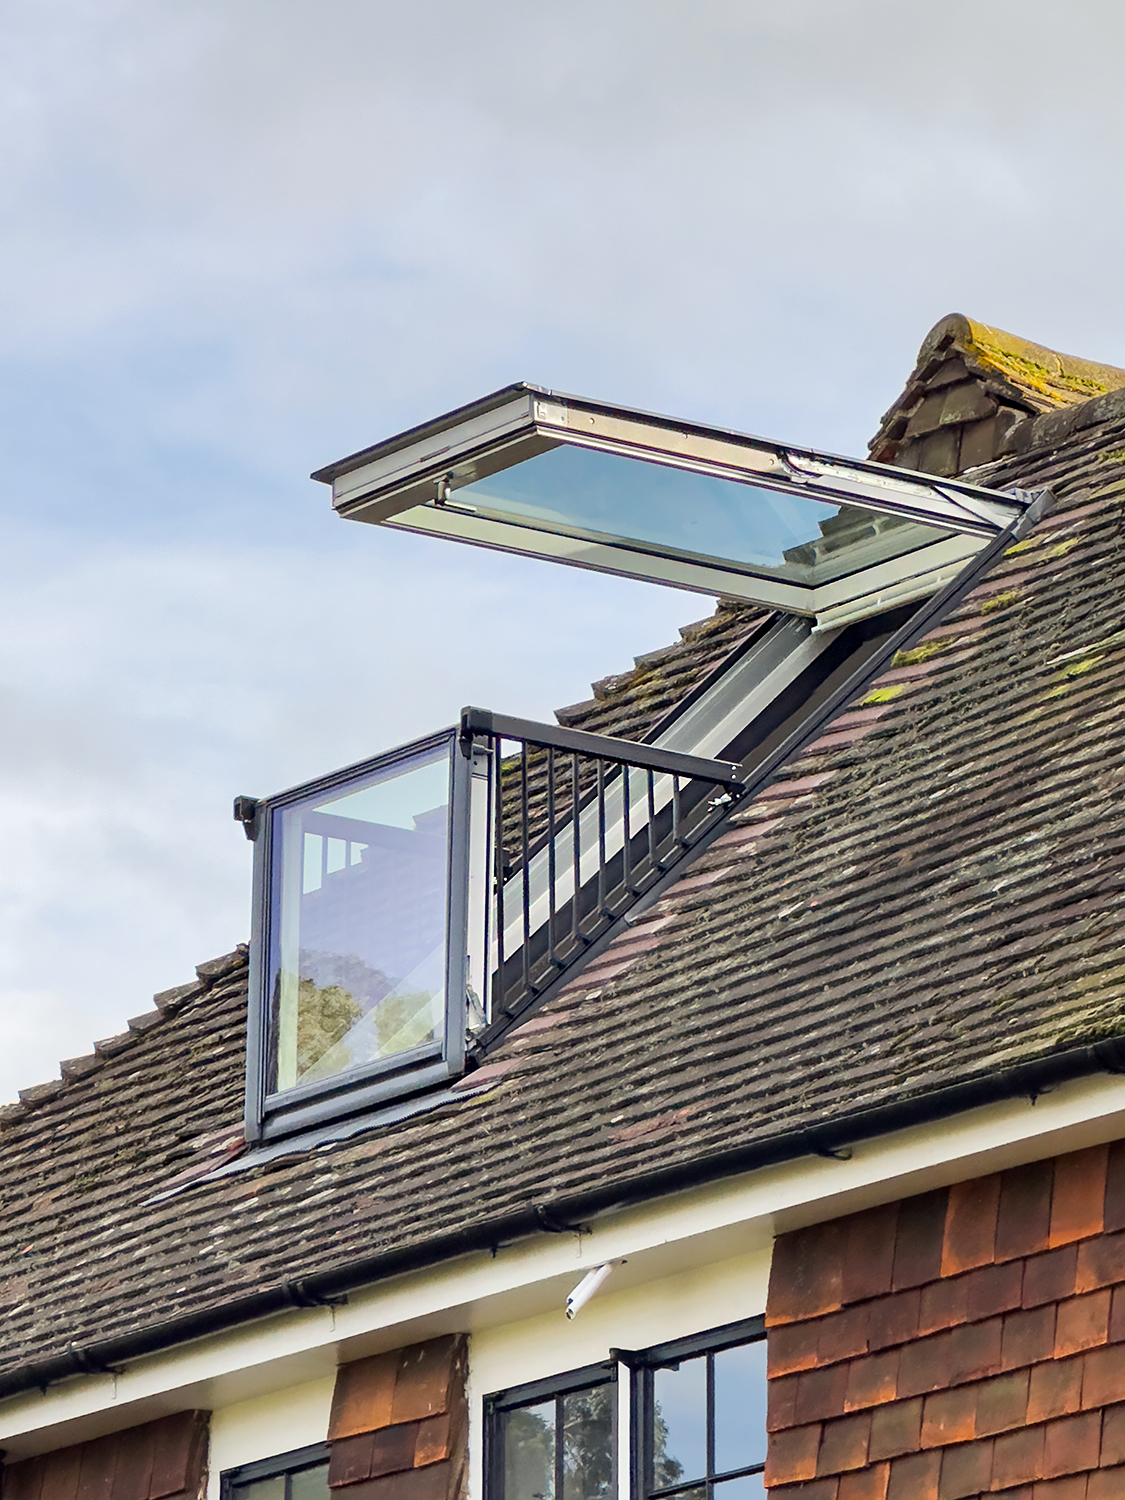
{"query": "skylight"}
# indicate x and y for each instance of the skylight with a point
(595, 486)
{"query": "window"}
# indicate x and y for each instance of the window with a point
(598, 486)
(554, 1440)
(699, 1414)
(299, 1475)
(359, 967)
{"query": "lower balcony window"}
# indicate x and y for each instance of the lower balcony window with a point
(357, 971)
(359, 948)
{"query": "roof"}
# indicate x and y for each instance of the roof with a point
(971, 392)
(935, 888)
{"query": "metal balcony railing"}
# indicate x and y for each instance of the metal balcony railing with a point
(581, 827)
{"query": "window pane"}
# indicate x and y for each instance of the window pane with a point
(749, 1487)
(360, 914)
(310, 1484)
(581, 492)
(587, 1443)
(261, 1489)
(679, 1423)
(740, 1408)
(529, 1453)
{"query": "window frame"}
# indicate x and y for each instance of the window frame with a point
(281, 1464)
(270, 1116)
(411, 481)
(498, 1403)
(642, 1364)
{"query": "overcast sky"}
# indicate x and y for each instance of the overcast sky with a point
(241, 238)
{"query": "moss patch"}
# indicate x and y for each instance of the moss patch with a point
(1018, 548)
(882, 695)
(924, 652)
(1000, 601)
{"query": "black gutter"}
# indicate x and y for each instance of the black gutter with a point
(567, 1214)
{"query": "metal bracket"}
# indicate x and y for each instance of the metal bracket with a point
(552, 1225)
(246, 813)
(297, 1294)
(89, 1364)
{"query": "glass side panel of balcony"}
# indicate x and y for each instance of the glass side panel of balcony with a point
(358, 963)
(603, 497)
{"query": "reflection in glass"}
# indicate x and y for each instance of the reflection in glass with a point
(263, 1489)
(745, 1487)
(359, 958)
(529, 1453)
(679, 1423)
(585, 493)
(587, 1423)
(740, 1408)
(305, 1484)
(309, 1484)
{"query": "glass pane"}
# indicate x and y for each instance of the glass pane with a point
(261, 1489)
(740, 1408)
(529, 1453)
(749, 1487)
(588, 1443)
(310, 1484)
(360, 915)
(602, 496)
(679, 1423)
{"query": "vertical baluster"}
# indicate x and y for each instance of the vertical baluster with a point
(498, 826)
(526, 870)
(576, 849)
(676, 811)
(550, 856)
(627, 855)
(601, 838)
(651, 821)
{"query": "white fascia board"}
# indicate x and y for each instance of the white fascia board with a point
(658, 1238)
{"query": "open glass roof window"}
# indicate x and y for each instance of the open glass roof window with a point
(527, 470)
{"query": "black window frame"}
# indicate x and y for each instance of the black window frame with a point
(642, 1364)
(280, 1464)
(271, 1116)
(533, 1393)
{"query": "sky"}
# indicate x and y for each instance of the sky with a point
(242, 238)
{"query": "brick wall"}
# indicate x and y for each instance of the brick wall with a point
(961, 1343)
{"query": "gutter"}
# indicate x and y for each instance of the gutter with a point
(566, 1214)
(563, 1215)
